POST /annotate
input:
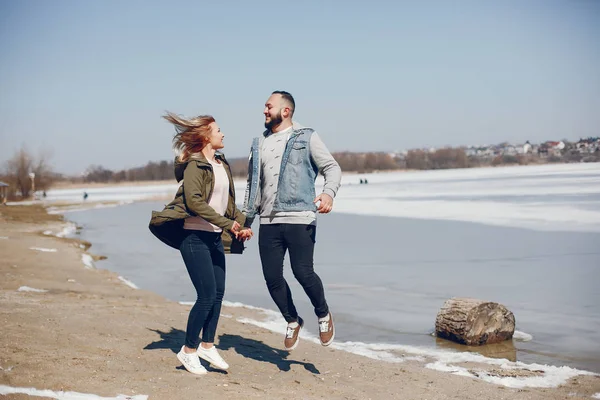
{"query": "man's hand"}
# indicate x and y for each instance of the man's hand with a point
(325, 203)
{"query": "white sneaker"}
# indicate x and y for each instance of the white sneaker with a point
(191, 362)
(212, 356)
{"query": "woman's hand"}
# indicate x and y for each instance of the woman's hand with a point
(235, 229)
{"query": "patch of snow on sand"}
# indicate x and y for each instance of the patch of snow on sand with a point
(128, 283)
(88, 261)
(30, 289)
(68, 230)
(4, 390)
(43, 249)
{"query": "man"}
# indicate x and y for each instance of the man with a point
(284, 163)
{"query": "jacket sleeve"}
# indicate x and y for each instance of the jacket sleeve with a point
(195, 200)
(239, 216)
(327, 165)
(247, 205)
(247, 208)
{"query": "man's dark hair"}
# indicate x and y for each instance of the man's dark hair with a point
(287, 97)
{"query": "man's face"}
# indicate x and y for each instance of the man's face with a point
(273, 111)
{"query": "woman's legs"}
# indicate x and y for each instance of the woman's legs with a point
(196, 251)
(209, 328)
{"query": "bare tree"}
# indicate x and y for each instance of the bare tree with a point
(44, 176)
(24, 171)
(17, 171)
(417, 159)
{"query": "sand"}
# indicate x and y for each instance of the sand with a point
(88, 332)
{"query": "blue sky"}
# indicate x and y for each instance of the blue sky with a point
(88, 81)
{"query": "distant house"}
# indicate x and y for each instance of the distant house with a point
(485, 151)
(509, 150)
(589, 145)
(471, 151)
(551, 148)
(3, 192)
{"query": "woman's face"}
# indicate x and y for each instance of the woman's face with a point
(216, 137)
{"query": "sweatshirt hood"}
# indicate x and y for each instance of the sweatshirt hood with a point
(179, 168)
(181, 165)
(295, 126)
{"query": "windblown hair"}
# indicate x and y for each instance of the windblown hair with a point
(288, 98)
(192, 134)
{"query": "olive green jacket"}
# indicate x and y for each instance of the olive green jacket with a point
(191, 199)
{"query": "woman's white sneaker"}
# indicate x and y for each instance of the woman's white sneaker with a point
(212, 356)
(191, 362)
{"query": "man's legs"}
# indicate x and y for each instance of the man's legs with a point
(300, 240)
(272, 248)
(301, 244)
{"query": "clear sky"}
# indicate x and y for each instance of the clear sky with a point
(88, 81)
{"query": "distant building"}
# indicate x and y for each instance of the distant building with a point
(589, 145)
(551, 148)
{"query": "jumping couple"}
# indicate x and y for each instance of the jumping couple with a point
(203, 222)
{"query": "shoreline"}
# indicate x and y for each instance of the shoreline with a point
(90, 326)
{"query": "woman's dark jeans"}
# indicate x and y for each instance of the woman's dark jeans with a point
(204, 259)
(273, 242)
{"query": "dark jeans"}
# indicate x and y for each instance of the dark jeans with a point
(273, 241)
(204, 259)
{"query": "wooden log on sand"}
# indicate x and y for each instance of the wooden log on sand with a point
(474, 322)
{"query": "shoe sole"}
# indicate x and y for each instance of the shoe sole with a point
(208, 360)
(201, 372)
(330, 340)
(297, 340)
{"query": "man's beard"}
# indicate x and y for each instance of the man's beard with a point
(276, 120)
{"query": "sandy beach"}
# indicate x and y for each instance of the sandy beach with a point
(72, 327)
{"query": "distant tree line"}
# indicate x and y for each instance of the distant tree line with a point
(25, 171)
(457, 158)
(438, 159)
(163, 170)
(153, 171)
(366, 162)
(349, 162)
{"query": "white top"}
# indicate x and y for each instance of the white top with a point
(218, 201)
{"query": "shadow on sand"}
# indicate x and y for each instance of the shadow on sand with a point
(249, 348)
(259, 351)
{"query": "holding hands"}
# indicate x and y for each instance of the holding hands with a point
(245, 234)
(240, 233)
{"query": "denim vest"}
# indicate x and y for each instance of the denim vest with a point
(296, 184)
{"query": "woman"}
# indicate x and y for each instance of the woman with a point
(206, 204)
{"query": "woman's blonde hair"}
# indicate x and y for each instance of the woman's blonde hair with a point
(192, 133)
